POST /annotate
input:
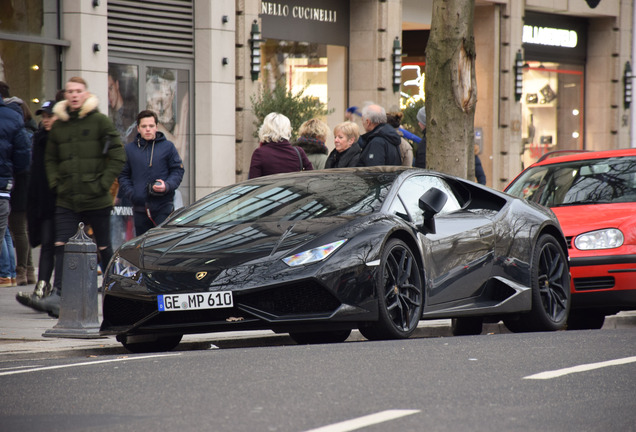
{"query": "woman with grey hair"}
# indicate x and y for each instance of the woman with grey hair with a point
(275, 154)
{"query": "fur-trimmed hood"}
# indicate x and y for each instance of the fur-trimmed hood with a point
(61, 108)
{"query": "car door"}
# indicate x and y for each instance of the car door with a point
(458, 256)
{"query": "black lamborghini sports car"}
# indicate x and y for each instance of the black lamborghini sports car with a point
(318, 253)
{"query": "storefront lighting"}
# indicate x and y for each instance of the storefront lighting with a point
(35, 100)
(255, 46)
(518, 76)
(397, 64)
(35, 67)
(627, 86)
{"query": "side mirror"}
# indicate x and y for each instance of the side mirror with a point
(431, 203)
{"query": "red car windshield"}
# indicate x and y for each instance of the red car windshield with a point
(592, 181)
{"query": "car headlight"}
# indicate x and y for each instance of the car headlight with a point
(602, 239)
(122, 267)
(313, 255)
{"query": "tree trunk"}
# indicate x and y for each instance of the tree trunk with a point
(451, 89)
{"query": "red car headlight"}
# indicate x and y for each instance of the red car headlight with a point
(609, 238)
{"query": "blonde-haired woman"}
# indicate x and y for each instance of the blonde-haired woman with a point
(312, 137)
(275, 154)
(347, 151)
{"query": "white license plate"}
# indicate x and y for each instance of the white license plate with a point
(195, 301)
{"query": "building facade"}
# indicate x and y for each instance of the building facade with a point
(550, 73)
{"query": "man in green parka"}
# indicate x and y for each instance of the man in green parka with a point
(84, 155)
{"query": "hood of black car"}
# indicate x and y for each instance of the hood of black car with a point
(223, 246)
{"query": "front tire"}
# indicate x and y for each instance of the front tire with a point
(400, 295)
(586, 320)
(468, 326)
(550, 290)
(323, 337)
(151, 343)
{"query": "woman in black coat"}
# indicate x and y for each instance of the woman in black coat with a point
(347, 151)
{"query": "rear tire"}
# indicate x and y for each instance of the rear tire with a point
(324, 337)
(586, 320)
(400, 296)
(550, 290)
(151, 343)
(468, 326)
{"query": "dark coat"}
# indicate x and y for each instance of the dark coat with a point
(15, 148)
(40, 198)
(381, 146)
(139, 171)
(84, 156)
(278, 157)
(480, 175)
(348, 158)
(420, 155)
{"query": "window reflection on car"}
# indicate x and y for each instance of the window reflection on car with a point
(599, 181)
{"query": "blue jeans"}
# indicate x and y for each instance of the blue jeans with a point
(7, 256)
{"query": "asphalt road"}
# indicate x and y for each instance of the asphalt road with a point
(476, 383)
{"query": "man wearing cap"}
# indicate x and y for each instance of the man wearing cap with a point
(41, 212)
(420, 155)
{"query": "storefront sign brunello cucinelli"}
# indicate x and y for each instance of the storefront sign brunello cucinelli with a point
(316, 21)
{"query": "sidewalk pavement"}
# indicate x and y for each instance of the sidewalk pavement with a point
(21, 330)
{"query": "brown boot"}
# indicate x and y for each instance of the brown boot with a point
(21, 277)
(31, 279)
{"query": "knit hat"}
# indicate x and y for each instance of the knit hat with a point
(421, 115)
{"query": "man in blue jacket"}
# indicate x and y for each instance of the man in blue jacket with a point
(152, 173)
(15, 155)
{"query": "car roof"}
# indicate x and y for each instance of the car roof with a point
(584, 155)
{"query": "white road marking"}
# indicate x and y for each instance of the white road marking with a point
(581, 368)
(39, 369)
(18, 367)
(360, 422)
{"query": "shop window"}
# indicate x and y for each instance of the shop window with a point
(552, 109)
(136, 86)
(298, 65)
(30, 69)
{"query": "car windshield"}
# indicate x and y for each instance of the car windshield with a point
(594, 181)
(289, 198)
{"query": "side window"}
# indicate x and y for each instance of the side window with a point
(411, 191)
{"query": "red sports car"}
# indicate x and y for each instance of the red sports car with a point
(593, 194)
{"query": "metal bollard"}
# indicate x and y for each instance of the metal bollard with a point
(78, 306)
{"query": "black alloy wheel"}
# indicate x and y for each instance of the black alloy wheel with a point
(400, 296)
(550, 290)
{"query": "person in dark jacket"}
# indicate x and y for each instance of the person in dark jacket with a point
(83, 157)
(275, 154)
(480, 175)
(41, 211)
(420, 154)
(381, 143)
(22, 261)
(14, 160)
(152, 173)
(347, 151)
